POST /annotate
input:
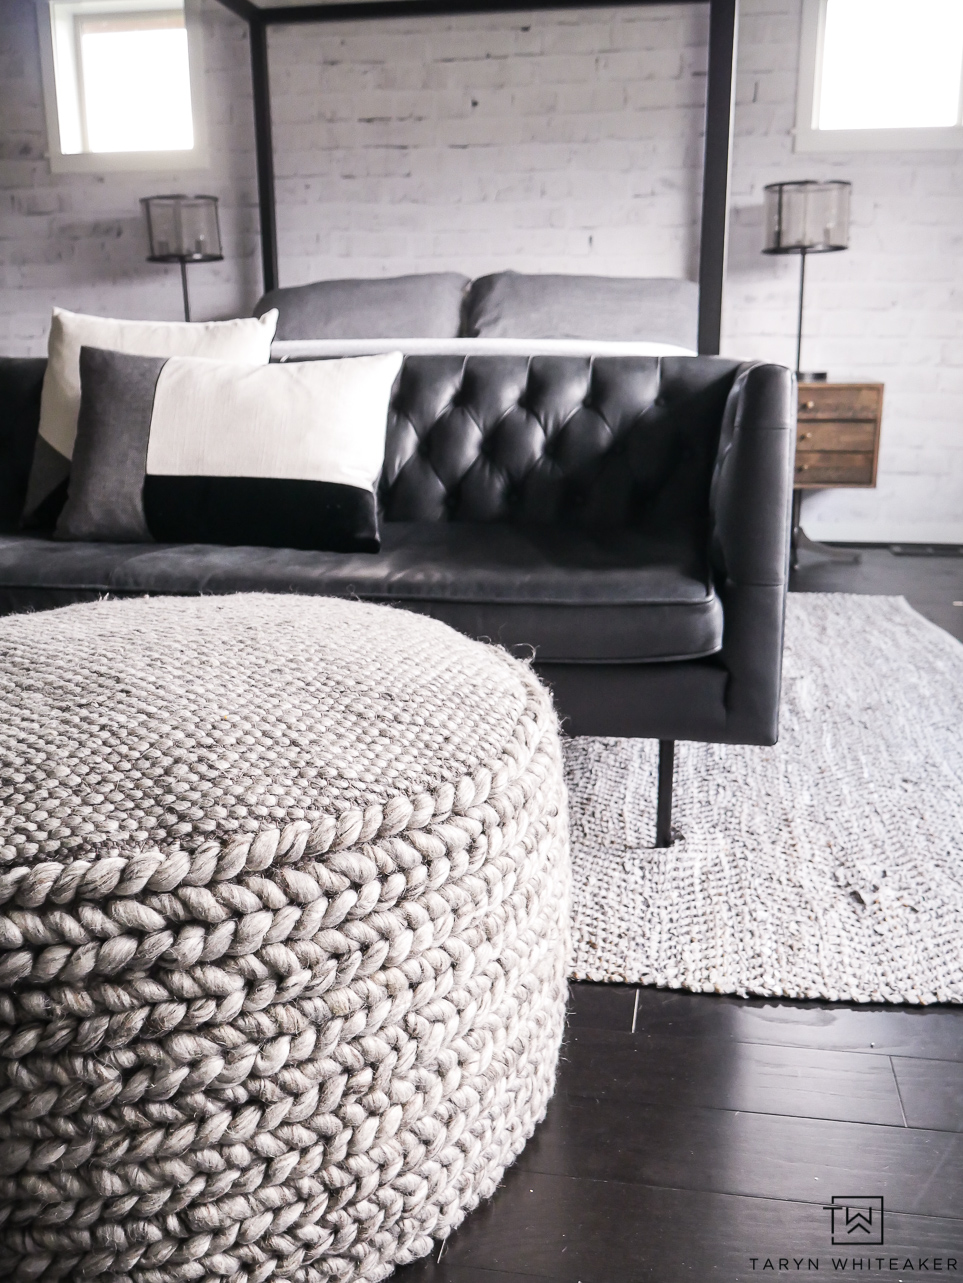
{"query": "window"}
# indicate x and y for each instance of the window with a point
(118, 81)
(880, 74)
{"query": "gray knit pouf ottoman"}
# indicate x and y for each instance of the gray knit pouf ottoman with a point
(283, 932)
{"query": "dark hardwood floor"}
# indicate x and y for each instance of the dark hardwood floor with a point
(700, 1137)
(931, 585)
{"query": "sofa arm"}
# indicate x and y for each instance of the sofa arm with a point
(750, 506)
(21, 379)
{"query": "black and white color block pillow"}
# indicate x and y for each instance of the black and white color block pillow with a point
(188, 450)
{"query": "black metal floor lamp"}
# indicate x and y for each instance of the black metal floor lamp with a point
(804, 218)
(183, 229)
(807, 217)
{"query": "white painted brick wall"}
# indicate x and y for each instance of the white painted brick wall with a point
(890, 309)
(566, 141)
(78, 240)
(553, 142)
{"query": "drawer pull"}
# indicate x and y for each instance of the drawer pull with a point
(804, 436)
(802, 467)
(810, 405)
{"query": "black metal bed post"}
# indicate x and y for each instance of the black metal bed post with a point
(257, 20)
(720, 95)
(264, 152)
(717, 165)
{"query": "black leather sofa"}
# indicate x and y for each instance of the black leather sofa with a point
(622, 520)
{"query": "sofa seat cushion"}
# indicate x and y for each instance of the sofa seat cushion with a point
(615, 596)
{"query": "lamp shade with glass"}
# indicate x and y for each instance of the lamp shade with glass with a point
(183, 229)
(805, 218)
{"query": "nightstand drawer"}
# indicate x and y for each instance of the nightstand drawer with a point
(834, 468)
(835, 435)
(839, 401)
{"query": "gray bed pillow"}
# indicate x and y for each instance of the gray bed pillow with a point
(513, 305)
(393, 307)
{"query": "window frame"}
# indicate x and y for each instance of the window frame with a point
(808, 138)
(88, 162)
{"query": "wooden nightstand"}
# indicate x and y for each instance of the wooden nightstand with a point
(837, 444)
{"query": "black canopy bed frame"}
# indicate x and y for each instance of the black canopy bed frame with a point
(720, 102)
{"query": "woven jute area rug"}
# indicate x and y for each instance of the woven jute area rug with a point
(829, 866)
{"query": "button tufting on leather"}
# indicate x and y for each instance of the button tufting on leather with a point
(486, 447)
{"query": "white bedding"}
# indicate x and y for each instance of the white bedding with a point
(291, 349)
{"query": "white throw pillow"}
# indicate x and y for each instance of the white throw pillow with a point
(247, 341)
(311, 421)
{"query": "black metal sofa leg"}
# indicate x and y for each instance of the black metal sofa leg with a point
(663, 815)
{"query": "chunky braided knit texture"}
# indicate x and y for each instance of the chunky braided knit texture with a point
(283, 934)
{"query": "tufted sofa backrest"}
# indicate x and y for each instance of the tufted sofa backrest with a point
(588, 441)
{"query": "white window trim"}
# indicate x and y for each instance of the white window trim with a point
(808, 139)
(159, 162)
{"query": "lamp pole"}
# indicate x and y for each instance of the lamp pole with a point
(187, 301)
(802, 289)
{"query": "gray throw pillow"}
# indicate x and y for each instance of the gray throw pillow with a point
(513, 305)
(393, 307)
